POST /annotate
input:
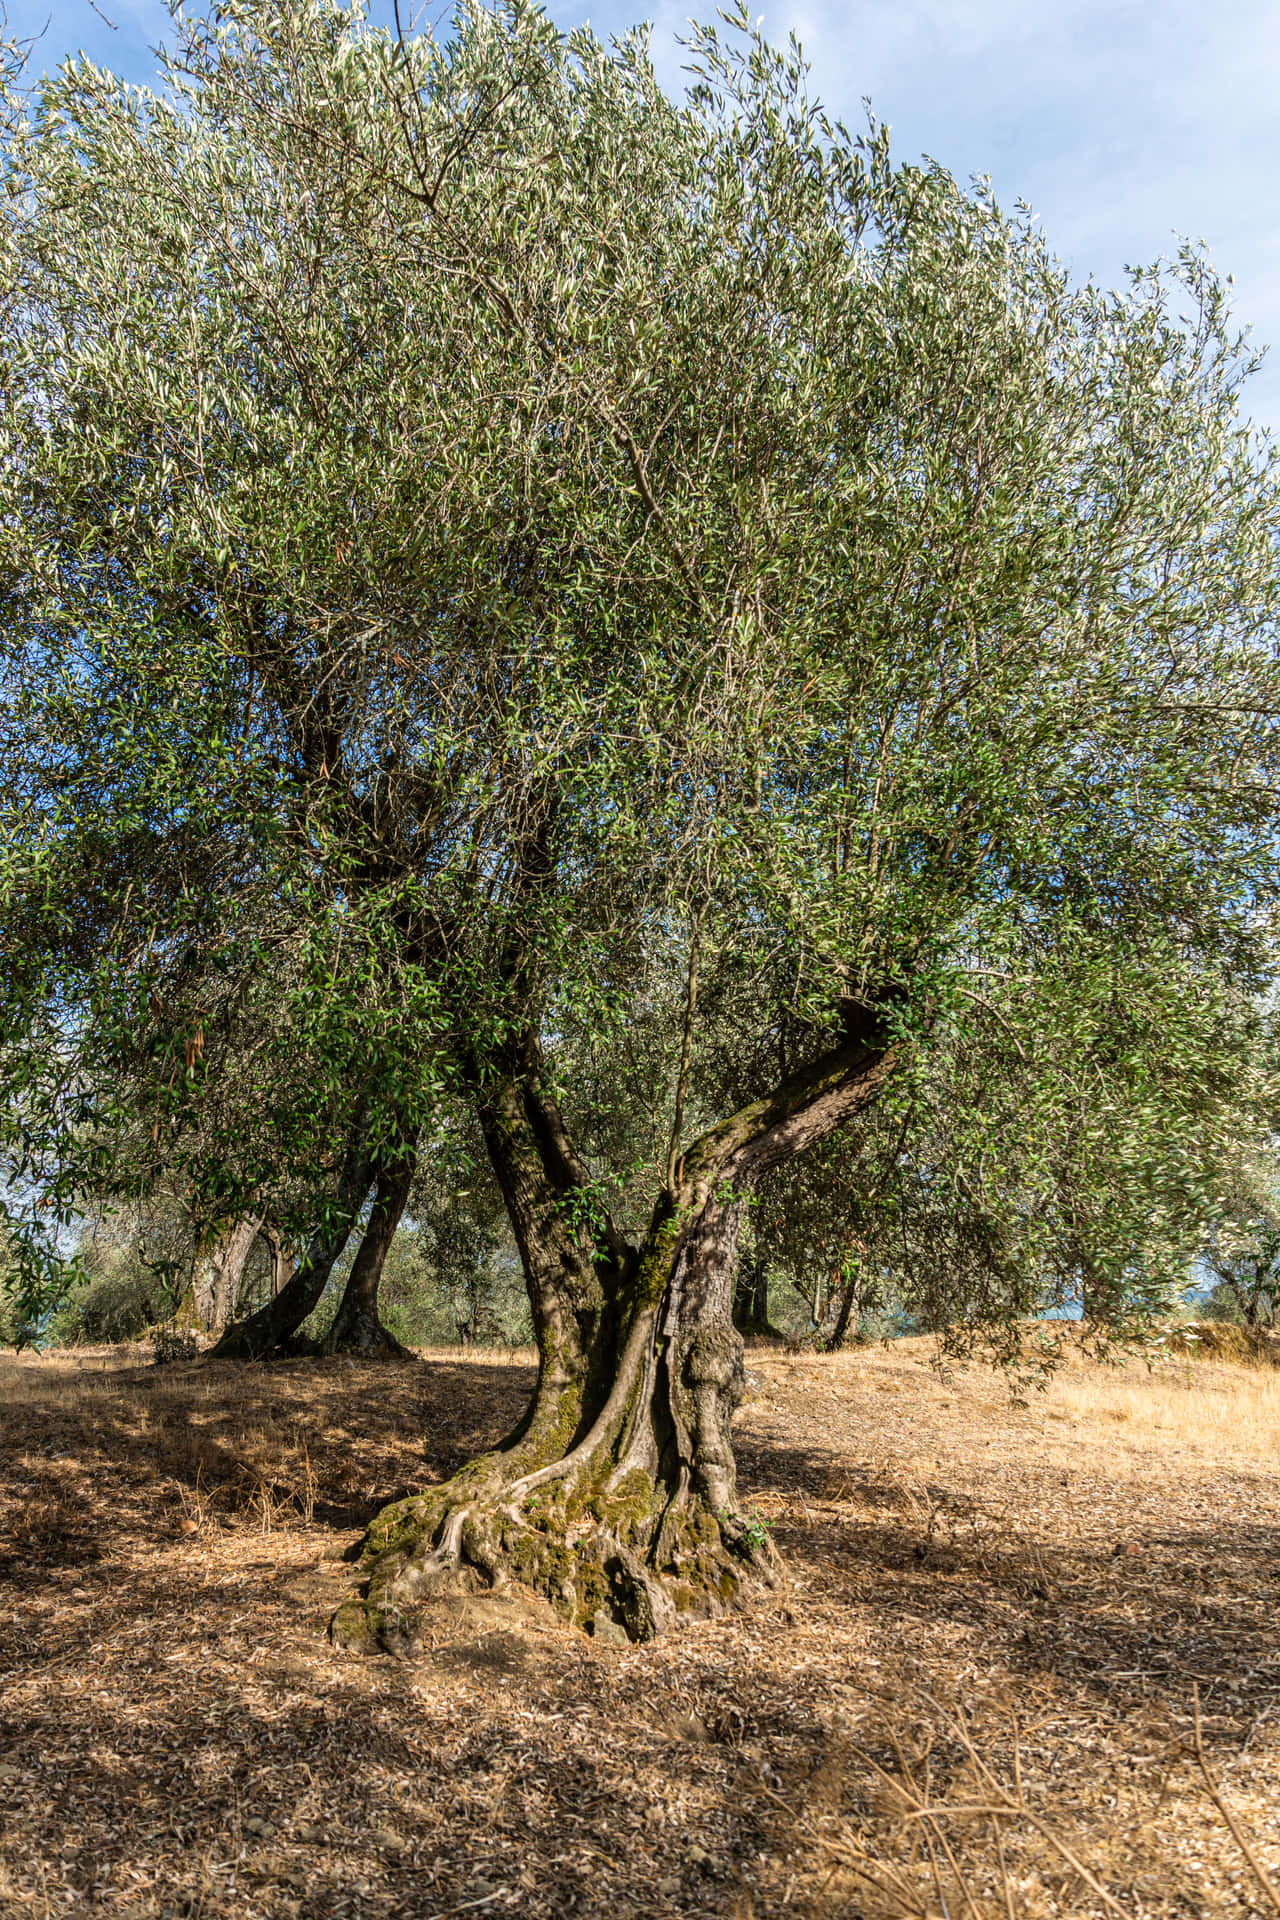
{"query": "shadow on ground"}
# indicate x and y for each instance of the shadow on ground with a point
(180, 1739)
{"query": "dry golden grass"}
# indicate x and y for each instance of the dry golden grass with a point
(1208, 1415)
(1026, 1663)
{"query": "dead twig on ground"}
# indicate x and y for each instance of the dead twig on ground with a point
(1224, 1807)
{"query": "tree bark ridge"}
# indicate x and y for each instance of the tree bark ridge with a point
(616, 1496)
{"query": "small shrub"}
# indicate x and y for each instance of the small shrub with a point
(171, 1344)
(117, 1307)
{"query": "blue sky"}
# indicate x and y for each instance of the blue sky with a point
(1122, 122)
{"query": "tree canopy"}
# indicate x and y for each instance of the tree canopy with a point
(655, 621)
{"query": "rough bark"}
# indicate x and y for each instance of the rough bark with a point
(283, 1263)
(220, 1274)
(357, 1327)
(616, 1496)
(275, 1326)
(573, 1282)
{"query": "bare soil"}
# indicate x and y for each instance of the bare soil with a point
(976, 1696)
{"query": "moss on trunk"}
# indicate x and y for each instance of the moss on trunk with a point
(623, 1515)
(616, 1497)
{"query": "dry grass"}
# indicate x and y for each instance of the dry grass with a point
(1027, 1663)
(1214, 1415)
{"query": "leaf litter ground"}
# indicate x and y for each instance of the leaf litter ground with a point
(977, 1694)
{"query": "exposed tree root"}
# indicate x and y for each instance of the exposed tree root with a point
(616, 1557)
(363, 1334)
(616, 1499)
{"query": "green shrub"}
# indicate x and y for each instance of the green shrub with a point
(117, 1306)
(171, 1343)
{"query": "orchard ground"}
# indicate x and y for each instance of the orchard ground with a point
(976, 1694)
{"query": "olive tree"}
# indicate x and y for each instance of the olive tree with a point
(572, 553)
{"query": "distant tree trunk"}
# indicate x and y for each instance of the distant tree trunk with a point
(616, 1493)
(219, 1275)
(751, 1299)
(273, 1327)
(1095, 1296)
(840, 1332)
(283, 1262)
(855, 1297)
(356, 1327)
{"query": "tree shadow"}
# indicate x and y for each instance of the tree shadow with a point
(162, 1691)
(316, 1442)
(473, 1772)
(1140, 1620)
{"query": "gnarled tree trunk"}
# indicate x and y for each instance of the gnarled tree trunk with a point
(616, 1495)
(274, 1326)
(356, 1327)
